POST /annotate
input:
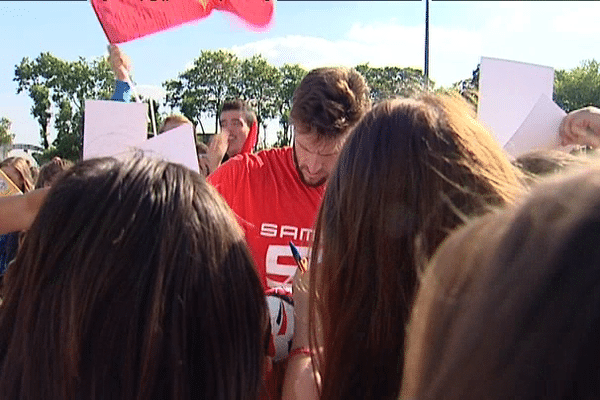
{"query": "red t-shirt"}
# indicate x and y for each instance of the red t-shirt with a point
(273, 207)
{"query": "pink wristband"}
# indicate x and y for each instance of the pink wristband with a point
(300, 350)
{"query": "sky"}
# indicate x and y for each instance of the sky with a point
(559, 34)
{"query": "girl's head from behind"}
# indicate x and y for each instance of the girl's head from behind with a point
(408, 174)
(138, 275)
(19, 171)
(510, 305)
(51, 171)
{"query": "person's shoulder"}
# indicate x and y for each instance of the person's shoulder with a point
(247, 164)
(276, 154)
(263, 158)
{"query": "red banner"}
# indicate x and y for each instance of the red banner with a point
(125, 20)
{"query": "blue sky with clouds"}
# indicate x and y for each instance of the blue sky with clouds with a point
(313, 33)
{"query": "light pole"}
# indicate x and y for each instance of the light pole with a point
(426, 71)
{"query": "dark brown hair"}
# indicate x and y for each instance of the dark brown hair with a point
(330, 100)
(408, 174)
(240, 105)
(134, 282)
(537, 164)
(23, 167)
(510, 305)
(51, 171)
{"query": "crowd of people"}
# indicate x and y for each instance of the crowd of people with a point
(438, 268)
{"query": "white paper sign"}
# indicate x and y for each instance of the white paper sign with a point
(539, 130)
(111, 127)
(176, 146)
(508, 90)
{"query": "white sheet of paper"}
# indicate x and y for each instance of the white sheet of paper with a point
(539, 130)
(508, 90)
(111, 127)
(176, 146)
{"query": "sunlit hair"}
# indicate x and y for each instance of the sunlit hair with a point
(173, 121)
(510, 305)
(330, 101)
(409, 173)
(134, 282)
(240, 105)
(201, 148)
(23, 168)
(51, 171)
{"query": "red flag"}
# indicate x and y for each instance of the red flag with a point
(125, 20)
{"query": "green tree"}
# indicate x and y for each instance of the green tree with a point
(64, 85)
(578, 87)
(205, 86)
(41, 110)
(259, 84)
(282, 139)
(469, 88)
(291, 76)
(389, 82)
(6, 136)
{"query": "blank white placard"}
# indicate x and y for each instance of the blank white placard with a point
(111, 127)
(508, 90)
(539, 130)
(176, 146)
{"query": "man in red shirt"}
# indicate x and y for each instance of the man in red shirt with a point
(239, 134)
(276, 193)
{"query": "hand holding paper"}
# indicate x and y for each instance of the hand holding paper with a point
(581, 127)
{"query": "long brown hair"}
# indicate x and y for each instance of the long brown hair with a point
(510, 305)
(134, 282)
(409, 173)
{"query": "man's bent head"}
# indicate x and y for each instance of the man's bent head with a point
(326, 105)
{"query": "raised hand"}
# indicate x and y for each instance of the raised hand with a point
(581, 127)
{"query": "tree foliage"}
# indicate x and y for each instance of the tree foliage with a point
(59, 88)
(291, 76)
(6, 136)
(469, 88)
(217, 76)
(204, 87)
(578, 87)
(390, 82)
(259, 83)
(53, 83)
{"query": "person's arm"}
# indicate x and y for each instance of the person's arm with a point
(121, 93)
(581, 127)
(121, 65)
(18, 212)
(300, 381)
